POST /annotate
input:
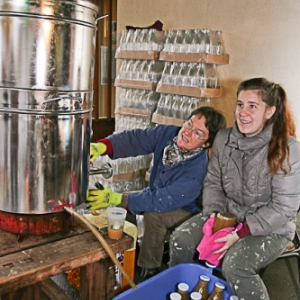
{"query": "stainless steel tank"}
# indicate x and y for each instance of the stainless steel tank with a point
(46, 93)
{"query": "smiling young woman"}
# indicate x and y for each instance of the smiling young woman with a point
(253, 174)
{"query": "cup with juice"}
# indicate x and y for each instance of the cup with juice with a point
(115, 222)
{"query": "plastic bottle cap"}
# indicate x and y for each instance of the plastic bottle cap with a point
(175, 296)
(196, 296)
(210, 265)
(204, 278)
(183, 287)
(233, 297)
(220, 285)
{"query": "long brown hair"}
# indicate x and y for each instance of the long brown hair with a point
(283, 123)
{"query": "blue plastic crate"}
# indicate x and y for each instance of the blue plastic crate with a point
(160, 286)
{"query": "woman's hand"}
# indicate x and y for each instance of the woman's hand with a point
(229, 240)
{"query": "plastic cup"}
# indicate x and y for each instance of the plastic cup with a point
(115, 222)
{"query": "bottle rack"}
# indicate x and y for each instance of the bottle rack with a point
(170, 89)
(163, 88)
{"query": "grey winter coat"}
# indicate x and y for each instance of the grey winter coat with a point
(237, 181)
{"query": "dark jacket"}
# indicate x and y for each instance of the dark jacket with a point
(170, 188)
(238, 181)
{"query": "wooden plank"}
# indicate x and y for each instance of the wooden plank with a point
(32, 292)
(97, 280)
(206, 58)
(30, 266)
(11, 243)
(53, 291)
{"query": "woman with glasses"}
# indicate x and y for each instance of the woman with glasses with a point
(254, 174)
(179, 166)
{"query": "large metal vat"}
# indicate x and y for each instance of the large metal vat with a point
(46, 92)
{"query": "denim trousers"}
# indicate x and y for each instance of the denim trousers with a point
(156, 226)
(242, 261)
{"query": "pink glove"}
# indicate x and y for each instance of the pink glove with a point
(208, 245)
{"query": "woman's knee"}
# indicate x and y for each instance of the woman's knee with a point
(188, 234)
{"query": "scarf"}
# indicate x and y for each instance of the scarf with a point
(173, 155)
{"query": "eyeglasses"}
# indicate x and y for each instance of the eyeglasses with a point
(196, 133)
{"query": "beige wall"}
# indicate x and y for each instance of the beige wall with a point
(262, 38)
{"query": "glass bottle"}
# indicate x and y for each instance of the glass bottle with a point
(201, 76)
(217, 43)
(129, 39)
(122, 42)
(218, 291)
(161, 104)
(201, 286)
(187, 41)
(212, 77)
(168, 46)
(178, 40)
(175, 296)
(195, 296)
(167, 111)
(184, 108)
(196, 42)
(166, 73)
(175, 106)
(182, 289)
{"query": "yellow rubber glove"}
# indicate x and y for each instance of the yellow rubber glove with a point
(97, 149)
(102, 198)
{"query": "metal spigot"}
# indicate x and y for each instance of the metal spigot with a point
(105, 170)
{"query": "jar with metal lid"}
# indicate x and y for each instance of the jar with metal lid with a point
(195, 296)
(218, 292)
(183, 289)
(201, 286)
(175, 296)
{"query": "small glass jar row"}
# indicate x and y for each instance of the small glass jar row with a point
(142, 40)
(190, 74)
(195, 41)
(127, 122)
(139, 99)
(143, 70)
(179, 107)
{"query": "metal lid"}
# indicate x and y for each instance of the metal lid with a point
(220, 285)
(204, 278)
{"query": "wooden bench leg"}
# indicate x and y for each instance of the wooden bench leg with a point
(97, 280)
(53, 291)
(30, 292)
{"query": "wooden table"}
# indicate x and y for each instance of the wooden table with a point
(26, 266)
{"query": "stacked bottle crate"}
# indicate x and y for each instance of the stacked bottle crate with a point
(163, 76)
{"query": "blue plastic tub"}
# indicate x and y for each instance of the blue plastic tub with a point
(162, 285)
